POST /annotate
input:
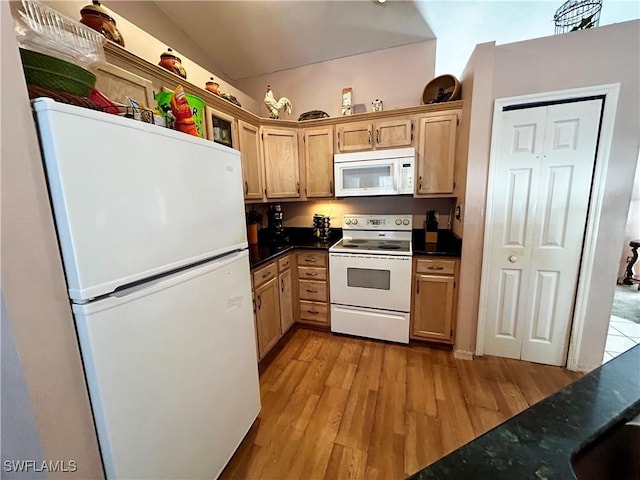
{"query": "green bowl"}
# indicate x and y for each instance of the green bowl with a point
(51, 72)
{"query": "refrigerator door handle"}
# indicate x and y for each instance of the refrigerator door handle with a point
(127, 294)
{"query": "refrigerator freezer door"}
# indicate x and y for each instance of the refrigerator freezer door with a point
(134, 200)
(172, 371)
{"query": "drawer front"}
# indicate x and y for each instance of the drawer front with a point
(310, 290)
(264, 274)
(442, 267)
(284, 263)
(312, 259)
(314, 312)
(311, 273)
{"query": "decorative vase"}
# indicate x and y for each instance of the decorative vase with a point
(95, 16)
(173, 63)
(213, 87)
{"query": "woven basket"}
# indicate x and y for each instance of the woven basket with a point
(449, 85)
(50, 72)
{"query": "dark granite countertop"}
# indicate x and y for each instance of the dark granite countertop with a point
(265, 250)
(538, 443)
(449, 244)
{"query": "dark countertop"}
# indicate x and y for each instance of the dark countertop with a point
(303, 238)
(448, 244)
(538, 443)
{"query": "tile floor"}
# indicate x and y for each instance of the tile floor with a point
(622, 335)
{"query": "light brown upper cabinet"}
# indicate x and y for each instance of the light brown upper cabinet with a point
(318, 161)
(436, 154)
(388, 133)
(282, 170)
(249, 143)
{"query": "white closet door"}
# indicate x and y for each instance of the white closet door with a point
(538, 199)
(566, 170)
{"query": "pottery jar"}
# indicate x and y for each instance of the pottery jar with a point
(95, 16)
(171, 62)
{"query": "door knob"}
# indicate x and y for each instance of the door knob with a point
(513, 259)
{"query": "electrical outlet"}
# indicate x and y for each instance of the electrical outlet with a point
(458, 212)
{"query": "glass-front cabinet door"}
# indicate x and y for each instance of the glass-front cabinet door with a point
(221, 128)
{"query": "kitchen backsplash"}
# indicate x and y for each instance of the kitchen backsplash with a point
(300, 214)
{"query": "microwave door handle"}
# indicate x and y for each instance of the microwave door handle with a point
(396, 177)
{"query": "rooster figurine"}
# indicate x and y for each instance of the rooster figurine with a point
(275, 106)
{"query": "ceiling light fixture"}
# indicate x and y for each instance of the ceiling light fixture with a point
(381, 1)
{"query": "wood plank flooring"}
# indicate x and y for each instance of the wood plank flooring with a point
(336, 407)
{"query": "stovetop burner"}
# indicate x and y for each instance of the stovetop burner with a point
(385, 235)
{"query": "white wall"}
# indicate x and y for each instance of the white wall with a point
(603, 55)
(35, 300)
(397, 76)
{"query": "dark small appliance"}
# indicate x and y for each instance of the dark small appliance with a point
(275, 224)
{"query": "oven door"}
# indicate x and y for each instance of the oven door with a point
(366, 177)
(373, 281)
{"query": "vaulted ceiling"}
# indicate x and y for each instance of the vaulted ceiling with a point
(247, 38)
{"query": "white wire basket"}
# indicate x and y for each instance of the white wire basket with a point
(45, 30)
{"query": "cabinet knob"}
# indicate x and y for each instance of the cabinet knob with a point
(513, 259)
(369, 137)
(377, 135)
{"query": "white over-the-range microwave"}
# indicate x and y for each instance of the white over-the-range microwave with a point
(377, 172)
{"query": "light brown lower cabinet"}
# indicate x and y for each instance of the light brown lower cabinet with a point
(273, 300)
(313, 288)
(286, 300)
(434, 299)
(268, 327)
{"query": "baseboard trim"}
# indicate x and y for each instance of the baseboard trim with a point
(462, 354)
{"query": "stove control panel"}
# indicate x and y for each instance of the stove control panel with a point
(377, 222)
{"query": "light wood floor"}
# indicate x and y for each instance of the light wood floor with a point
(335, 407)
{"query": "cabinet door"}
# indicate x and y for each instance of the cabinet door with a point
(355, 136)
(433, 307)
(436, 154)
(393, 133)
(221, 128)
(249, 142)
(280, 147)
(286, 301)
(318, 155)
(267, 316)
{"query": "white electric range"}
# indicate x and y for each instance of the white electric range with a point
(370, 277)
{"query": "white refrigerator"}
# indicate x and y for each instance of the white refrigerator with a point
(152, 235)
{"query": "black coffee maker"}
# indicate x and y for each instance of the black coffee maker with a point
(275, 228)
